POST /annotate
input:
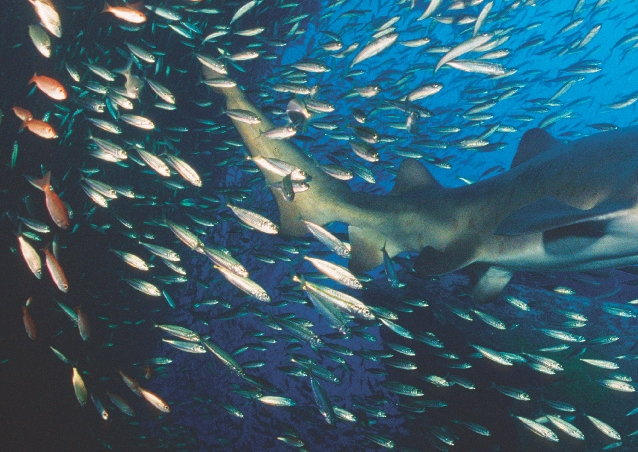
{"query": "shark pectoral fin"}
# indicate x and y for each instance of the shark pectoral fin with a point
(434, 262)
(534, 142)
(290, 220)
(412, 174)
(366, 245)
(491, 284)
(550, 213)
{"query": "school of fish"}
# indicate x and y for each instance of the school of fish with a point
(144, 162)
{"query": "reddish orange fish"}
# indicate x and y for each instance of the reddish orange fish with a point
(49, 86)
(126, 13)
(83, 325)
(155, 400)
(29, 324)
(56, 271)
(57, 209)
(23, 113)
(40, 128)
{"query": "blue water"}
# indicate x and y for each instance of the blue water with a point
(38, 406)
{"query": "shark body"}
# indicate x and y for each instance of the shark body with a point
(561, 206)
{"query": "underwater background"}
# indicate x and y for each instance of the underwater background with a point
(566, 66)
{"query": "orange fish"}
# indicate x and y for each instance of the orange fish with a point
(55, 269)
(49, 86)
(48, 16)
(155, 400)
(58, 211)
(29, 324)
(23, 113)
(126, 13)
(83, 325)
(40, 128)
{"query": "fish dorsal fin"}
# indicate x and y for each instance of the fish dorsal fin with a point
(550, 213)
(534, 142)
(366, 245)
(412, 174)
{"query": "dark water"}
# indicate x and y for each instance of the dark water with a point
(38, 408)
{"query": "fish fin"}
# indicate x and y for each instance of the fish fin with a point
(46, 249)
(366, 251)
(550, 213)
(412, 174)
(491, 283)
(42, 183)
(290, 220)
(534, 142)
(298, 278)
(434, 262)
(126, 69)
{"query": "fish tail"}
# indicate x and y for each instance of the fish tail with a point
(33, 79)
(127, 68)
(43, 183)
(46, 249)
(299, 279)
(106, 7)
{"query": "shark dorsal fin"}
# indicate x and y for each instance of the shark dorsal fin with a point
(412, 174)
(534, 142)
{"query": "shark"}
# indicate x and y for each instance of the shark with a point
(562, 206)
